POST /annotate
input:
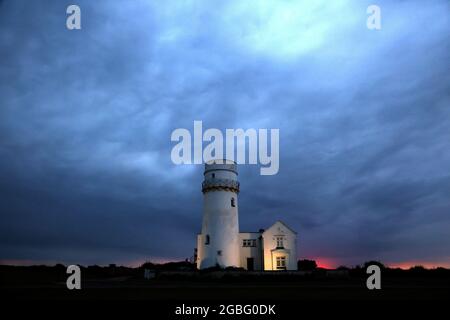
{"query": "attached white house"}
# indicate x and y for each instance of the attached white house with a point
(270, 249)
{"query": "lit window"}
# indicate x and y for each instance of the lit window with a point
(281, 263)
(207, 239)
(280, 242)
(233, 204)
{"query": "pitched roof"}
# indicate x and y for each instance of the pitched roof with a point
(284, 224)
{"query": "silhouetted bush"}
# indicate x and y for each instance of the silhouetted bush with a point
(306, 265)
(373, 262)
(212, 269)
(234, 269)
(343, 268)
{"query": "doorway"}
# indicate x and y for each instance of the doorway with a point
(250, 264)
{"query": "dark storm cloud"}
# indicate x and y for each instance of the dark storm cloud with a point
(86, 118)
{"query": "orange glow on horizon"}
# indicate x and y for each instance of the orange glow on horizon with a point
(326, 263)
(322, 262)
(332, 263)
(426, 264)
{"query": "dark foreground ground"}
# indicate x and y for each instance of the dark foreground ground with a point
(275, 291)
(124, 291)
(116, 283)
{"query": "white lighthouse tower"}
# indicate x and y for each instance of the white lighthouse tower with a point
(218, 243)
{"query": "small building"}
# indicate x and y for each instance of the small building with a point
(221, 244)
(270, 249)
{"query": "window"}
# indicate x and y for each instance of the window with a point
(233, 204)
(213, 175)
(219, 252)
(207, 239)
(281, 263)
(280, 242)
(249, 243)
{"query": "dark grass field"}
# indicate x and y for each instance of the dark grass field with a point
(124, 293)
(49, 283)
(191, 292)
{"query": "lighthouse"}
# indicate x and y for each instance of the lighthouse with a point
(218, 242)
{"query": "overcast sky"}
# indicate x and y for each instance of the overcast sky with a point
(86, 117)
